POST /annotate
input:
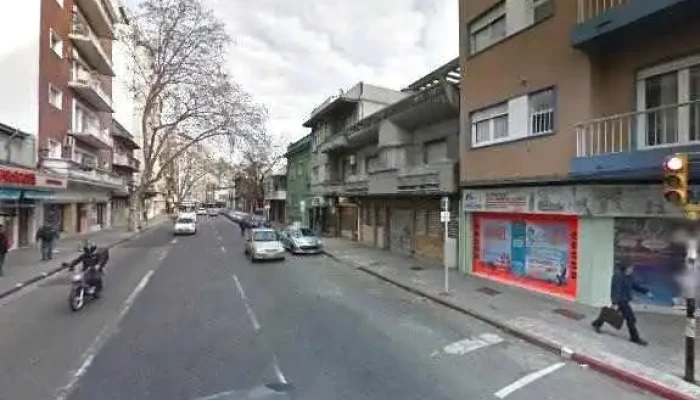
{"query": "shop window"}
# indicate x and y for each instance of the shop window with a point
(534, 251)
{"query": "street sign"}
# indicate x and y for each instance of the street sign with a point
(444, 216)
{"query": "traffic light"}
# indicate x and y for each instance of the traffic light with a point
(675, 179)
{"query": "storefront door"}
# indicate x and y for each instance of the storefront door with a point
(401, 231)
(25, 216)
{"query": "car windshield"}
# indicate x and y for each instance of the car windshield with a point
(185, 221)
(303, 232)
(264, 236)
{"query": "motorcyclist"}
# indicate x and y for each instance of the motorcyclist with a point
(94, 261)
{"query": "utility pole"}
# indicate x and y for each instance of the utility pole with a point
(676, 170)
(445, 219)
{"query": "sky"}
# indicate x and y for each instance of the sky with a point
(292, 54)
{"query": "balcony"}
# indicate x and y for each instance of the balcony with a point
(276, 195)
(633, 145)
(84, 173)
(626, 20)
(333, 143)
(88, 86)
(356, 184)
(93, 136)
(430, 178)
(89, 46)
(101, 14)
(125, 161)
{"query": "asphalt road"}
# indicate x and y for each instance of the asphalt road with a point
(191, 319)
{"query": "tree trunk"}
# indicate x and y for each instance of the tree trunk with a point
(135, 208)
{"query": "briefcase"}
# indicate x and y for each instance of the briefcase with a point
(612, 317)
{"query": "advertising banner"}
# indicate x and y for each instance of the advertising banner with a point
(529, 250)
(646, 243)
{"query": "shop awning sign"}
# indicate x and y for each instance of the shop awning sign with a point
(37, 195)
(10, 194)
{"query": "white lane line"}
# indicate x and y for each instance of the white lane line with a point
(90, 353)
(278, 371)
(527, 379)
(223, 249)
(465, 346)
(240, 288)
(248, 309)
(173, 241)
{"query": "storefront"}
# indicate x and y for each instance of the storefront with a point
(565, 241)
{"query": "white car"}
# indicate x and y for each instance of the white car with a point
(185, 226)
(201, 211)
(264, 244)
(301, 241)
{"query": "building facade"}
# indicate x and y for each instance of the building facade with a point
(275, 195)
(562, 145)
(125, 164)
(328, 123)
(298, 202)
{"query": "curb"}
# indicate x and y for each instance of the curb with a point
(47, 274)
(554, 347)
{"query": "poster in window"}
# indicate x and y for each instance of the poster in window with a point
(531, 251)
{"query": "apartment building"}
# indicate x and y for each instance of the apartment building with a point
(59, 85)
(125, 165)
(567, 112)
(275, 195)
(298, 202)
(329, 122)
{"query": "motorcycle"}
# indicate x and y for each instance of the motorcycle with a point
(82, 289)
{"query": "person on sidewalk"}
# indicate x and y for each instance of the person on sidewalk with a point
(46, 236)
(623, 284)
(4, 247)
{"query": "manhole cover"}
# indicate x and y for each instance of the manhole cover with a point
(488, 291)
(416, 268)
(569, 314)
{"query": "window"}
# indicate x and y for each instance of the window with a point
(54, 149)
(488, 29)
(490, 125)
(314, 174)
(55, 97)
(542, 112)
(56, 43)
(435, 151)
(543, 9)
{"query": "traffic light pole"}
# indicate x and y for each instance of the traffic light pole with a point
(691, 321)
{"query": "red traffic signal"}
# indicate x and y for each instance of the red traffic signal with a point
(675, 180)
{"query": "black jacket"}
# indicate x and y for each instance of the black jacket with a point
(622, 287)
(98, 258)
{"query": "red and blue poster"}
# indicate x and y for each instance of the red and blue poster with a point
(529, 250)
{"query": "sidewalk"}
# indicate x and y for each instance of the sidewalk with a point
(558, 325)
(24, 266)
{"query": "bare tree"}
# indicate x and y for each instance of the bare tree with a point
(260, 155)
(194, 165)
(178, 56)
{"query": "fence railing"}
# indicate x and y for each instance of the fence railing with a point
(588, 9)
(669, 125)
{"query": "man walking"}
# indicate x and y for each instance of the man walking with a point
(46, 237)
(4, 247)
(623, 284)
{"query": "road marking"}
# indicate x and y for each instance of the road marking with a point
(173, 241)
(248, 309)
(90, 353)
(278, 371)
(223, 249)
(465, 346)
(527, 379)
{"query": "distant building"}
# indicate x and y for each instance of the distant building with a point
(298, 202)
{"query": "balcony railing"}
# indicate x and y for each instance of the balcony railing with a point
(89, 45)
(90, 86)
(670, 125)
(125, 160)
(589, 9)
(93, 135)
(83, 172)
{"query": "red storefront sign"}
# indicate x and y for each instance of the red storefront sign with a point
(17, 177)
(536, 251)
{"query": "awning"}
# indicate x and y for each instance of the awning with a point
(10, 194)
(37, 195)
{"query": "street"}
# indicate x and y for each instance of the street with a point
(191, 318)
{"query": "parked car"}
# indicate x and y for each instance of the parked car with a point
(201, 211)
(263, 244)
(301, 241)
(238, 216)
(212, 212)
(257, 221)
(185, 226)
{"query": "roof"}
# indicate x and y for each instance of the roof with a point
(8, 130)
(449, 72)
(300, 145)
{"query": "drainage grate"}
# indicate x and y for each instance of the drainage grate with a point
(416, 268)
(569, 314)
(488, 291)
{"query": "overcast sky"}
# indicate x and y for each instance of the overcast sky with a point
(292, 54)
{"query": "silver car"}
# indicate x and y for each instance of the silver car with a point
(301, 241)
(263, 244)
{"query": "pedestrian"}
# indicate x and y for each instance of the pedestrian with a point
(46, 236)
(242, 225)
(623, 284)
(4, 247)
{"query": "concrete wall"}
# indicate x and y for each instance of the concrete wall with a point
(596, 249)
(19, 64)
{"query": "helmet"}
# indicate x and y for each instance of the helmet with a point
(89, 248)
